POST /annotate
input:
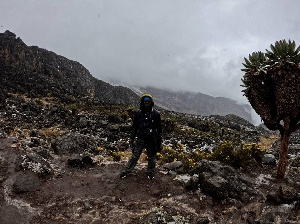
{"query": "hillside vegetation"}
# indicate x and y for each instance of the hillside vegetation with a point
(75, 152)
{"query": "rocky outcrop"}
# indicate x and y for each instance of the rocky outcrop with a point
(74, 143)
(35, 72)
(222, 181)
(34, 163)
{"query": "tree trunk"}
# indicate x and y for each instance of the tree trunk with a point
(284, 148)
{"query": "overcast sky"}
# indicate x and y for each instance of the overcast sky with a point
(193, 45)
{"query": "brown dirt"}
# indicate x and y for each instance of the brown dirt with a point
(93, 195)
(97, 195)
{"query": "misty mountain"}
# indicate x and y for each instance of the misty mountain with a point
(196, 103)
(37, 72)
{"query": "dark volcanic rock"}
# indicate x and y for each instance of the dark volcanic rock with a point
(81, 162)
(34, 163)
(38, 72)
(74, 143)
(26, 182)
(222, 181)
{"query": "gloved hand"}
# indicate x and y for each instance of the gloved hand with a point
(159, 144)
(159, 148)
(131, 143)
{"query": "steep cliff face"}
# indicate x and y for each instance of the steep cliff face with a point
(38, 72)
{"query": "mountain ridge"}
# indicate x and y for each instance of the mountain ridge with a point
(36, 72)
(196, 103)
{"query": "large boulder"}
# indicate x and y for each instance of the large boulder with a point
(26, 182)
(283, 195)
(74, 143)
(269, 159)
(221, 181)
(33, 163)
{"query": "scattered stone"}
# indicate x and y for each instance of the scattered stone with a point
(34, 163)
(174, 166)
(222, 181)
(2, 135)
(203, 220)
(51, 113)
(74, 143)
(114, 118)
(295, 162)
(283, 195)
(269, 159)
(192, 183)
(172, 173)
(288, 194)
(81, 162)
(26, 182)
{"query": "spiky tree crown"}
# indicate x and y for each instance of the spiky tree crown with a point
(257, 60)
(281, 53)
(271, 82)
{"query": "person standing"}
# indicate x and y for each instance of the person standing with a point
(146, 133)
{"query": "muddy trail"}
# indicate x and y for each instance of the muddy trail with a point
(96, 194)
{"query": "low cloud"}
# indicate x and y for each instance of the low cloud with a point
(192, 45)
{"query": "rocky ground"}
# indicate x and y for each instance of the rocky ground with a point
(61, 166)
(97, 195)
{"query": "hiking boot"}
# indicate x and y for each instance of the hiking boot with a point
(150, 175)
(123, 174)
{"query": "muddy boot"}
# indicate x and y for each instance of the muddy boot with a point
(123, 174)
(150, 175)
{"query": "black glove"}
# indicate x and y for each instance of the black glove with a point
(131, 143)
(159, 144)
(159, 148)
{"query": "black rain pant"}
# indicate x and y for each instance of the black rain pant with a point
(139, 146)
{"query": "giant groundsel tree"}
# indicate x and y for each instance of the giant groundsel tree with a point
(272, 86)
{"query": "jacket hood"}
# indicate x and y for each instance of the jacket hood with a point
(142, 105)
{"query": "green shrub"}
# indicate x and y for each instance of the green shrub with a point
(224, 153)
(189, 160)
(238, 157)
(116, 157)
